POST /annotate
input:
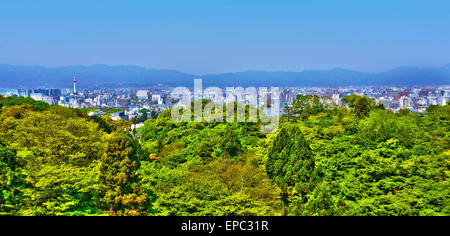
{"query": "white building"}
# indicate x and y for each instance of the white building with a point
(157, 98)
(441, 101)
(405, 102)
(37, 96)
(142, 94)
(336, 99)
(137, 126)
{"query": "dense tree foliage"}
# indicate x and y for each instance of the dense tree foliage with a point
(291, 165)
(52, 161)
(118, 179)
(321, 161)
(370, 161)
(302, 107)
(207, 168)
(361, 105)
(11, 181)
(13, 101)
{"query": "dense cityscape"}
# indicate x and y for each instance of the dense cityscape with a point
(132, 103)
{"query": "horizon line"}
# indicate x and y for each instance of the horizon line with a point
(233, 72)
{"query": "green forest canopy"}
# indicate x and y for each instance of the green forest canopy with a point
(322, 161)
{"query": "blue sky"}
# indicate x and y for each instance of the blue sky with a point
(227, 35)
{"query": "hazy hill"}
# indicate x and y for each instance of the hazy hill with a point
(134, 76)
(88, 76)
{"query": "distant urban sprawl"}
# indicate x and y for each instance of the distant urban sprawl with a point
(134, 103)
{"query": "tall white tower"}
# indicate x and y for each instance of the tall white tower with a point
(74, 85)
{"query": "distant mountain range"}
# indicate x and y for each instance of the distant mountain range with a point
(134, 76)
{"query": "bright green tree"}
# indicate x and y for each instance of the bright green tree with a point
(119, 188)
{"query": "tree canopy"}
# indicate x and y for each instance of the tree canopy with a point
(322, 161)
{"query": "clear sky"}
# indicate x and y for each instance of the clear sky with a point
(218, 36)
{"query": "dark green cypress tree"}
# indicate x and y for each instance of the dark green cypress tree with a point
(290, 163)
